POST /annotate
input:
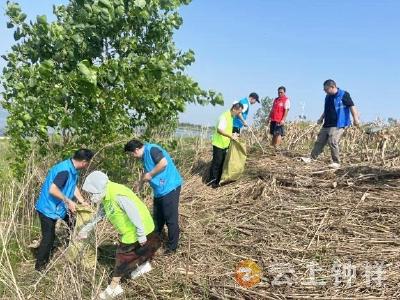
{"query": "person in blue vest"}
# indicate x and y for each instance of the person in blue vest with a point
(164, 178)
(56, 200)
(335, 118)
(240, 120)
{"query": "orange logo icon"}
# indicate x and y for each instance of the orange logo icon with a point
(247, 273)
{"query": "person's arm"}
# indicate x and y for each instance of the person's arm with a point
(159, 167)
(59, 182)
(160, 164)
(349, 103)
(282, 122)
(240, 116)
(133, 214)
(87, 229)
(228, 135)
(354, 113)
(221, 130)
(287, 107)
(56, 192)
(79, 197)
(321, 119)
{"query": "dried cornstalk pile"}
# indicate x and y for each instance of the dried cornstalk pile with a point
(286, 216)
(314, 232)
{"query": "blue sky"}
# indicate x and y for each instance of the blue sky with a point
(257, 45)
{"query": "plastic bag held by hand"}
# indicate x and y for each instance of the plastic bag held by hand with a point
(82, 251)
(235, 161)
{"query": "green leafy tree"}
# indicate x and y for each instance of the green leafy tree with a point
(262, 113)
(102, 68)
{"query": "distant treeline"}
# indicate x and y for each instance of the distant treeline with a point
(193, 126)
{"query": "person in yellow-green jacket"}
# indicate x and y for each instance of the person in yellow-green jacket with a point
(221, 139)
(134, 223)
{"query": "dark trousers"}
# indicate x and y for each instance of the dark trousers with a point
(48, 227)
(130, 256)
(165, 210)
(217, 164)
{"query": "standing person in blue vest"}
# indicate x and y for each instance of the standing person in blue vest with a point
(55, 200)
(163, 176)
(335, 118)
(240, 120)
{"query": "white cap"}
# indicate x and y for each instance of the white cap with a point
(95, 182)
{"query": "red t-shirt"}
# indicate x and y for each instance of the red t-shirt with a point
(279, 107)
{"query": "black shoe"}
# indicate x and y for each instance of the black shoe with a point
(215, 185)
(169, 252)
(40, 267)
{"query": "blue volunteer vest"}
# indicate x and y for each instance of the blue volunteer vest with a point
(236, 121)
(342, 111)
(165, 181)
(49, 205)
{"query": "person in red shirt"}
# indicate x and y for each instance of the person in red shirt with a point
(277, 116)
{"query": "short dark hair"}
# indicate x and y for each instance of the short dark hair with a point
(83, 154)
(236, 106)
(132, 145)
(329, 82)
(282, 88)
(254, 96)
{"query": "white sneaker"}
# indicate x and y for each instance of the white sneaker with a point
(111, 293)
(307, 160)
(142, 269)
(334, 166)
(34, 245)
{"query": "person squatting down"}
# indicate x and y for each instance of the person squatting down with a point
(131, 218)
